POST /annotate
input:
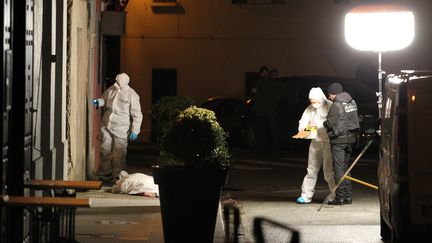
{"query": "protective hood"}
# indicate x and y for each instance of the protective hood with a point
(317, 94)
(122, 80)
(315, 114)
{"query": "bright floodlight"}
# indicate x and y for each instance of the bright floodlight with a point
(379, 28)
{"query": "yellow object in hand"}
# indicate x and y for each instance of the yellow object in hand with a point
(311, 129)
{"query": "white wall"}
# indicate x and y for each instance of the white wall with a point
(37, 89)
(78, 90)
(93, 91)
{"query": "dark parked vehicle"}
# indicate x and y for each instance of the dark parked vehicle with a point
(405, 168)
(236, 115)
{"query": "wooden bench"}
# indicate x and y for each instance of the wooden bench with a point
(60, 184)
(52, 185)
(22, 201)
(54, 213)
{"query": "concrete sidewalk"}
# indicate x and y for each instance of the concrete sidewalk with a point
(126, 218)
(261, 185)
(123, 218)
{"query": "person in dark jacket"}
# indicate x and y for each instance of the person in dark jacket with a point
(266, 96)
(342, 126)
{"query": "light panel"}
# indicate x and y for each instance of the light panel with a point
(379, 28)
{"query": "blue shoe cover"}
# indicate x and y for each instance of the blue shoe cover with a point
(302, 200)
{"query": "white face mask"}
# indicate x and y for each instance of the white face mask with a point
(315, 103)
(122, 85)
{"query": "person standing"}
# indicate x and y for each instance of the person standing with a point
(319, 149)
(263, 76)
(274, 73)
(342, 126)
(266, 96)
(121, 121)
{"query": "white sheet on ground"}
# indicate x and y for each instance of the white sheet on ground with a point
(136, 183)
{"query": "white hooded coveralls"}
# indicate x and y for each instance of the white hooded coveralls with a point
(319, 148)
(122, 105)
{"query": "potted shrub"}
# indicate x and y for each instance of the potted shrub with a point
(164, 112)
(194, 161)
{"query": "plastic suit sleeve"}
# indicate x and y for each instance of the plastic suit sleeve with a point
(103, 98)
(304, 120)
(135, 112)
(101, 102)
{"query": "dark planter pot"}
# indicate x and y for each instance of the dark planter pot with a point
(189, 200)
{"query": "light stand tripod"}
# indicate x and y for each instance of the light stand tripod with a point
(371, 139)
(379, 93)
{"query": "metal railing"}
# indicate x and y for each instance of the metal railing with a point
(231, 215)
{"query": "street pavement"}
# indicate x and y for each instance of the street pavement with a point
(261, 186)
(269, 187)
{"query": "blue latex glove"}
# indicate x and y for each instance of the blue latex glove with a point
(133, 136)
(95, 102)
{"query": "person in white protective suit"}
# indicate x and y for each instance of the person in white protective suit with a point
(319, 148)
(136, 184)
(121, 122)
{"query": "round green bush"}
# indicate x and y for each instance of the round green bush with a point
(196, 140)
(164, 113)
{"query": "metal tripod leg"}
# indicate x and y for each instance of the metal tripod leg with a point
(346, 173)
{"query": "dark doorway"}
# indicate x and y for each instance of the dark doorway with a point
(110, 59)
(164, 83)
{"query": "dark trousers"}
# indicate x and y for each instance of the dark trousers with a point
(341, 154)
(266, 134)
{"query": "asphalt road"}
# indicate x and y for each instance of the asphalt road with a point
(267, 186)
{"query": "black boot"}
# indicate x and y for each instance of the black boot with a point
(347, 197)
(347, 200)
(336, 201)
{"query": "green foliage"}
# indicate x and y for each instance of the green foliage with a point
(165, 111)
(196, 140)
